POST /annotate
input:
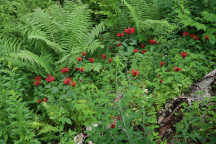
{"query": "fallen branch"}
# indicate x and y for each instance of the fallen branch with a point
(198, 92)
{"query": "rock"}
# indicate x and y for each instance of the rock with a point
(79, 139)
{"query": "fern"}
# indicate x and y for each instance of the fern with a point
(31, 58)
(147, 18)
(42, 36)
(15, 118)
(186, 20)
(58, 33)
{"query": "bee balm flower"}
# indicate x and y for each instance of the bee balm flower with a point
(65, 69)
(130, 30)
(136, 51)
(177, 69)
(162, 63)
(50, 78)
(91, 60)
(183, 54)
(184, 34)
(152, 42)
(79, 59)
(135, 72)
(67, 81)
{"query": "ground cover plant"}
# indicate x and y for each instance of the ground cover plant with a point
(107, 72)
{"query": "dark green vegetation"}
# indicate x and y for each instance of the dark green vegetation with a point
(67, 65)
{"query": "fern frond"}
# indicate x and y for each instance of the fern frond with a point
(142, 10)
(91, 43)
(33, 59)
(39, 35)
(60, 33)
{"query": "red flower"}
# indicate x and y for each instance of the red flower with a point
(184, 34)
(113, 125)
(161, 81)
(119, 44)
(103, 56)
(81, 69)
(39, 101)
(110, 60)
(37, 82)
(193, 36)
(130, 30)
(65, 69)
(77, 69)
(67, 81)
(142, 45)
(152, 42)
(45, 99)
(134, 72)
(37, 78)
(73, 84)
(183, 54)
(50, 78)
(207, 37)
(177, 69)
(85, 135)
(91, 60)
(136, 51)
(120, 34)
(144, 51)
(83, 53)
(162, 63)
(79, 59)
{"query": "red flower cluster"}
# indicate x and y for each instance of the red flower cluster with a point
(42, 100)
(45, 99)
(130, 30)
(184, 34)
(193, 36)
(39, 101)
(67, 81)
(37, 80)
(120, 34)
(73, 84)
(207, 37)
(50, 78)
(79, 59)
(183, 54)
(142, 45)
(136, 51)
(162, 63)
(91, 60)
(152, 42)
(177, 69)
(161, 81)
(65, 69)
(144, 51)
(119, 44)
(135, 72)
(83, 53)
(36, 83)
(113, 125)
(103, 56)
(110, 60)
(81, 69)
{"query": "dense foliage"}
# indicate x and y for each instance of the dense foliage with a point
(104, 69)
